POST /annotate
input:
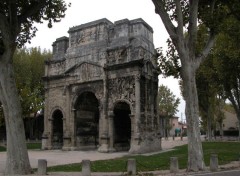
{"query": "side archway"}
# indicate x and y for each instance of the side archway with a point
(122, 126)
(57, 129)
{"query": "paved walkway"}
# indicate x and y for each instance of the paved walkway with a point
(58, 157)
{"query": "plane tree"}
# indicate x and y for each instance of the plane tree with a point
(17, 26)
(167, 104)
(227, 62)
(181, 19)
(29, 70)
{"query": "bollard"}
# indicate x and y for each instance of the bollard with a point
(173, 164)
(42, 167)
(214, 163)
(86, 168)
(131, 167)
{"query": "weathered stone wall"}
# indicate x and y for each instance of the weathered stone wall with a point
(115, 62)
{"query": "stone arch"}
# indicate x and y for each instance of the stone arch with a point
(57, 108)
(81, 91)
(124, 101)
(57, 128)
(122, 125)
(86, 116)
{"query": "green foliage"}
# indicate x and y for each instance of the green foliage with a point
(29, 70)
(169, 63)
(226, 151)
(209, 91)
(170, 7)
(226, 55)
(25, 14)
(234, 7)
(167, 101)
(212, 13)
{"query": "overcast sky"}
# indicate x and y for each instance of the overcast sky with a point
(84, 11)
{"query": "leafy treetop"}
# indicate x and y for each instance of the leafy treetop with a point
(17, 18)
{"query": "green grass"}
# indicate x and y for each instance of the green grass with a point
(36, 145)
(2, 149)
(227, 152)
(30, 146)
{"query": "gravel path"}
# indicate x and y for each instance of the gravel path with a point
(58, 157)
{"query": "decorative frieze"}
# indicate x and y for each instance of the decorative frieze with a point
(122, 88)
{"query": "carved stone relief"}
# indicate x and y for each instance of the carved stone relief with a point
(87, 72)
(122, 88)
(117, 56)
(56, 68)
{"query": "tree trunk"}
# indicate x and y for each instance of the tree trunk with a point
(221, 128)
(238, 129)
(209, 124)
(17, 157)
(195, 152)
(238, 116)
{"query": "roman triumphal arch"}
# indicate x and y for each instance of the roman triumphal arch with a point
(101, 89)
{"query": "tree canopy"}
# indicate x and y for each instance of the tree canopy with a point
(227, 64)
(167, 101)
(29, 70)
(181, 20)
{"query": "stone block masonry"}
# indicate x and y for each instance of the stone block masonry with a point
(101, 89)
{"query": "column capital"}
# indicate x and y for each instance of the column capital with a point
(110, 114)
(137, 77)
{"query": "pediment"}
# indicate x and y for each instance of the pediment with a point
(86, 71)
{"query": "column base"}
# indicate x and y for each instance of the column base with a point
(103, 148)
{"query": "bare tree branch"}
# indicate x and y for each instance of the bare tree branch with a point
(165, 18)
(212, 6)
(192, 29)
(206, 49)
(5, 29)
(179, 18)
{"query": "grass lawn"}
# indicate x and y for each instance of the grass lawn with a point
(227, 152)
(30, 146)
(2, 149)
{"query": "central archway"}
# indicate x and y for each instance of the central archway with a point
(87, 121)
(122, 126)
(57, 139)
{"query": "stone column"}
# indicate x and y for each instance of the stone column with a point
(152, 104)
(132, 117)
(111, 131)
(146, 105)
(66, 136)
(104, 137)
(137, 105)
(73, 129)
(135, 144)
(50, 134)
(66, 119)
(45, 135)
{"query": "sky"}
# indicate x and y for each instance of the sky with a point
(84, 11)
